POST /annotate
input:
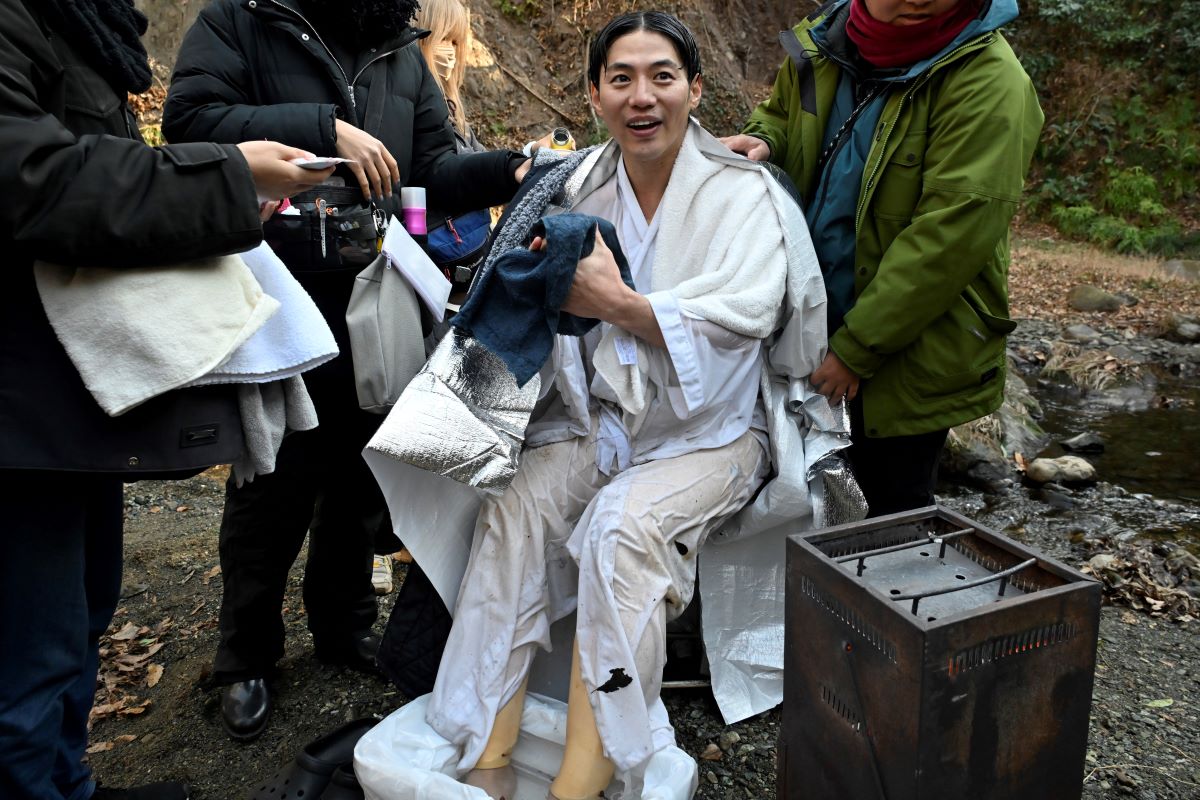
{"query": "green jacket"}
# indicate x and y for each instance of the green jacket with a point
(941, 184)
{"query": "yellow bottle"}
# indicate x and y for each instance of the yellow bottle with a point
(561, 139)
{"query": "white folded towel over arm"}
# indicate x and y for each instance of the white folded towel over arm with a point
(138, 332)
(291, 342)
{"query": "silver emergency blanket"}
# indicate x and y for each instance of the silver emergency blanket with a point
(743, 569)
(844, 501)
(462, 417)
(840, 498)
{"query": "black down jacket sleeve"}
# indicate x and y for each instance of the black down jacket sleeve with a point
(103, 200)
(210, 98)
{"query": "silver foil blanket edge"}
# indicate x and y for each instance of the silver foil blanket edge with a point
(844, 500)
(462, 417)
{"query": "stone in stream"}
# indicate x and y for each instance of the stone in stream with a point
(1057, 496)
(981, 452)
(1091, 298)
(1081, 333)
(1183, 328)
(1085, 443)
(1064, 469)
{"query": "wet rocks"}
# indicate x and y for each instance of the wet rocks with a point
(980, 453)
(1091, 298)
(1064, 469)
(1057, 497)
(1084, 334)
(1084, 443)
(1182, 328)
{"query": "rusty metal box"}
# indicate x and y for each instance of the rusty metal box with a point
(929, 658)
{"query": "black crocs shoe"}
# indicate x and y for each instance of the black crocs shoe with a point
(310, 773)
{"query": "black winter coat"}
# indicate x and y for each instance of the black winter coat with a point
(80, 188)
(256, 69)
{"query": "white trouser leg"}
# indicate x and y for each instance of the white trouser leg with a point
(636, 547)
(630, 561)
(519, 580)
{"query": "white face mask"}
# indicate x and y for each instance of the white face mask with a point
(445, 56)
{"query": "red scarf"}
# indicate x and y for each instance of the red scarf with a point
(886, 46)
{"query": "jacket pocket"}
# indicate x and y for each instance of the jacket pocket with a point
(959, 353)
(900, 179)
(85, 92)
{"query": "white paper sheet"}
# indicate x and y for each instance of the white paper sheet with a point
(433, 516)
(405, 255)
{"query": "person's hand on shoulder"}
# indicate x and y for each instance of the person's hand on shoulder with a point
(751, 147)
(374, 167)
(275, 177)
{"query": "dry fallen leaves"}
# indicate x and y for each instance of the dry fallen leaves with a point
(125, 667)
(154, 674)
(1043, 272)
(1150, 578)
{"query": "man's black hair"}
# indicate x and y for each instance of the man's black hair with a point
(655, 22)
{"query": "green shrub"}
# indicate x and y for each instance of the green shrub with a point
(522, 10)
(1119, 158)
(1075, 220)
(1129, 191)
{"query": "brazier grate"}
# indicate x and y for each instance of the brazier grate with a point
(929, 657)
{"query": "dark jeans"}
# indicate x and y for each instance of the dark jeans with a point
(321, 486)
(896, 473)
(60, 580)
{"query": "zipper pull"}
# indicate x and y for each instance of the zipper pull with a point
(450, 225)
(321, 212)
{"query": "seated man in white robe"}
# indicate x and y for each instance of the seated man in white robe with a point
(649, 434)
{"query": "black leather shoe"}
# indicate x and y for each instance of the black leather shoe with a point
(358, 653)
(166, 790)
(245, 708)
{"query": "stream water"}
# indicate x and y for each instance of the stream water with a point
(1151, 434)
(1149, 477)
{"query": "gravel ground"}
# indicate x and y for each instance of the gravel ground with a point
(160, 724)
(1136, 749)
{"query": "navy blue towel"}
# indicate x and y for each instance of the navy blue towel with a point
(514, 310)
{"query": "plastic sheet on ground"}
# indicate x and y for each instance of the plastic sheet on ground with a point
(402, 758)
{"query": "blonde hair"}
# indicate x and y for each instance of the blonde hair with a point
(448, 21)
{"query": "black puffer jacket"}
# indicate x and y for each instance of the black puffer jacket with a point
(77, 191)
(257, 69)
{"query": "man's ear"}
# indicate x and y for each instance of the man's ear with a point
(594, 97)
(696, 89)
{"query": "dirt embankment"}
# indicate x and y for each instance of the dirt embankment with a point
(526, 72)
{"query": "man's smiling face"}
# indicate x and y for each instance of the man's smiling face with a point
(644, 97)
